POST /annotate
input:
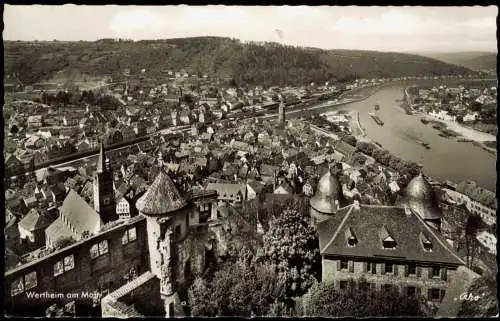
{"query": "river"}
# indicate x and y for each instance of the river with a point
(446, 159)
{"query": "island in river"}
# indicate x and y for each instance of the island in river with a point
(447, 159)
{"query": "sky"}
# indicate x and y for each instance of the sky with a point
(401, 29)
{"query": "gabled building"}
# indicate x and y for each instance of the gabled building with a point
(76, 218)
(32, 228)
(232, 194)
(390, 246)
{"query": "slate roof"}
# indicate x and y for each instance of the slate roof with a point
(367, 222)
(35, 221)
(256, 186)
(162, 197)
(79, 214)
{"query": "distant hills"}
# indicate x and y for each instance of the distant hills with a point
(251, 63)
(478, 61)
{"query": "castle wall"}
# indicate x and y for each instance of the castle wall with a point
(107, 271)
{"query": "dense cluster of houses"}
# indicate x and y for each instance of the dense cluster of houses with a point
(453, 103)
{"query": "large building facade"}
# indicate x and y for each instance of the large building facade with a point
(385, 246)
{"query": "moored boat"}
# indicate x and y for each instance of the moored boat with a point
(376, 119)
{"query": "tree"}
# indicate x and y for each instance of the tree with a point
(291, 244)
(63, 242)
(485, 288)
(241, 288)
(472, 226)
(476, 106)
(351, 140)
(325, 300)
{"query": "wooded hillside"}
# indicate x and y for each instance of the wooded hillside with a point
(253, 63)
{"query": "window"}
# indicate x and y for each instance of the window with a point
(368, 267)
(25, 282)
(343, 264)
(435, 271)
(30, 280)
(64, 265)
(435, 294)
(412, 269)
(389, 268)
(99, 249)
(389, 244)
(351, 237)
(58, 268)
(129, 236)
(426, 243)
(17, 286)
(411, 291)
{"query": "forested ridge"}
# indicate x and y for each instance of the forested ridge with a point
(252, 63)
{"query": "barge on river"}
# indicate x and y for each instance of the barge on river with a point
(376, 119)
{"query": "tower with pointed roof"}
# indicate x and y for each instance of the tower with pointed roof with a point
(328, 198)
(104, 194)
(167, 214)
(421, 199)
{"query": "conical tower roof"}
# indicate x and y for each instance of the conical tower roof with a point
(101, 162)
(422, 199)
(162, 197)
(328, 191)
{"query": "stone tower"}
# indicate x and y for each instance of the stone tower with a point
(167, 215)
(104, 194)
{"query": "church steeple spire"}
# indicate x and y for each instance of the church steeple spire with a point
(101, 162)
(104, 194)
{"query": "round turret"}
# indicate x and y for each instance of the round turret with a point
(328, 194)
(421, 198)
(161, 198)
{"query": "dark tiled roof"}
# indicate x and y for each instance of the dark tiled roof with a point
(35, 221)
(162, 197)
(367, 222)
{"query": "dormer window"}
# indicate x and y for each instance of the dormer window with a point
(388, 242)
(351, 238)
(426, 242)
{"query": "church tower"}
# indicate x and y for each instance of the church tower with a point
(104, 194)
(281, 111)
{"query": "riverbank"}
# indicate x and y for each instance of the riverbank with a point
(465, 134)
